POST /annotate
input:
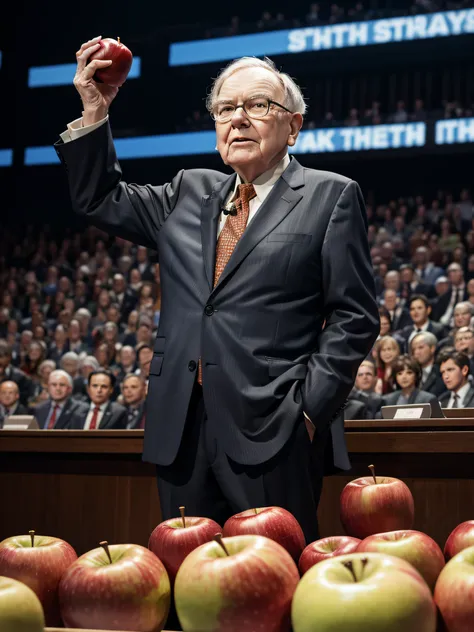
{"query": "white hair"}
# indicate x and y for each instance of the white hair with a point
(61, 373)
(70, 355)
(293, 100)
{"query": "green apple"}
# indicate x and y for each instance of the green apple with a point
(20, 608)
(363, 592)
(454, 592)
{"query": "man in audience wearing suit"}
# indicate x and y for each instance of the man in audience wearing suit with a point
(399, 315)
(464, 341)
(87, 365)
(463, 313)
(424, 267)
(251, 267)
(423, 349)
(10, 401)
(455, 370)
(363, 390)
(143, 264)
(420, 310)
(11, 374)
(61, 411)
(410, 283)
(101, 414)
(443, 308)
(134, 393)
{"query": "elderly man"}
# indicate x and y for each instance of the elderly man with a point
(10, 401)
(60, 410)
(251, 266)
(423, 348)
(462, 317)
(443, 309)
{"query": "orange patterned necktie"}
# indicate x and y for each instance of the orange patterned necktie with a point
(231, 233)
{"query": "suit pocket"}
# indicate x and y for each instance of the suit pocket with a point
(156, 364)
(289, 238)
(278, 366)
(159, 346)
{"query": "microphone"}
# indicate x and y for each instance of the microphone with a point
(231, 209)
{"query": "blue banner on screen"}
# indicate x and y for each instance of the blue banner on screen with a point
(400, 29)
(454, 131)
(63, 74)
(6, 157)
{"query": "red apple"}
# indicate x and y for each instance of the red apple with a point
(454, 592)
(275, 523)
(121, 57)
(174, 539)
(331, 546)
(39, 562)
(20, 608)
(246, 583)
(121, 587)
(460, 538)
(376, 504)
(413, 546)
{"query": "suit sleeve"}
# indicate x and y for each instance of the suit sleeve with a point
(130, 211)
(350, 310)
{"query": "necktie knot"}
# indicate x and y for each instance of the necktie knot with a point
(246, 192)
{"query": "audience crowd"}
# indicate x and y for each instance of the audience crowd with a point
(78, 312)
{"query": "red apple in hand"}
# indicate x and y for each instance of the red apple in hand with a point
(39, 562)
(454, 592)
(275, 523)
(174, 539)
(413, 546)
(121, 57)
(242, 584)
(326, 548)
(121, 587)
(376, 505)
(459, 539)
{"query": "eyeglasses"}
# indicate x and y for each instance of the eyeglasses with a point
(255, 108)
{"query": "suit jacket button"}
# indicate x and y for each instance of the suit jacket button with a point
(209, 310)
(192, 366)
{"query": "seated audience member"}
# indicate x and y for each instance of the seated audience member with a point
(60, 411)
(424, 266)
(443, 308)
(60, 345)
(464, 342)
(463, 313)
(35, 356)
(420, 310)
(144, 357)
(12, 374)
(407, 374)
(40, 392)
(385, 322)
(86, 366)
(10, 401)
(454, 368)
(70, 363)
(134, 393)
(387, 351)
(364, 389)
(441, 286)
(399, 315)
(126, 364)
(423, 348)
(101, 414)
(76, 343)
(410, 283)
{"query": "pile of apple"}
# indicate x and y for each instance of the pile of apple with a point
(253, 575)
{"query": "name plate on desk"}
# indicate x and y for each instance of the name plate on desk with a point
(409, 413)
(20, 422)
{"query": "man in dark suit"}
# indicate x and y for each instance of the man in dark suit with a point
(101, 414)
(143, 264)
(455, 370)
(134, 393)
(410, 284)
(250, 267)
(61, 411)
(10, 401)
(462, 317)
(11, 374)
(443, 308)
(363, 390)
(423, 348)
(122, 296)
(420, 310)
(399, 315)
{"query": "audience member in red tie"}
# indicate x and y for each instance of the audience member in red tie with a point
(10, 401)
(61, 410)
(134, 393)
(101, 414)
(251, 265)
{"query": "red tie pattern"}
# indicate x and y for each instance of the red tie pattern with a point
(52, 419)
(95, 416)
(231, 233)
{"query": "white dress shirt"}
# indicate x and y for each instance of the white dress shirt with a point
(461, 393)
(102, 408)
(457, 294)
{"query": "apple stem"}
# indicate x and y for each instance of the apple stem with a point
(105, 546)
(181, 511)
(256, 511)
(118, 40)
(218, 539)
(32, 536)
(372, 470)
(350, 566)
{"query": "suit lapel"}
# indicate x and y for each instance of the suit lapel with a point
(211, 207)
(281, 200)
(104, 422)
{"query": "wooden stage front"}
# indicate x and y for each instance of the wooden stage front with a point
(86, 487)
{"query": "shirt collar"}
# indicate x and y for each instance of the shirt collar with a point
(102, 407)
(427, 369)
(264, 183)
(462, 392)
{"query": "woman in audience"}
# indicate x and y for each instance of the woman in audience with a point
(40, 389)
(385, 322)
(387, 351)
(35, 356)
(407, 373)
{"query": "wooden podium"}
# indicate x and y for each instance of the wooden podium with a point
(87, 486)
